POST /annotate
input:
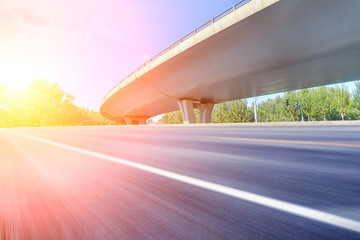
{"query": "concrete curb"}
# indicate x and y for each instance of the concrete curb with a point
(252, 124)
(261, 124)
(264, 124)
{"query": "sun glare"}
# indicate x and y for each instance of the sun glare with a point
(16, 85)
(18, 77)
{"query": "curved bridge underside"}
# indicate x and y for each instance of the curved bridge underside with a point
(280, 46)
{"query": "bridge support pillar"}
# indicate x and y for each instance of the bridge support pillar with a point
(187, 110)
(135, 120)
(128, 120)
(205, 112)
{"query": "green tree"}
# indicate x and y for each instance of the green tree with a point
(306, 101)
(324, 104)
(273, 110)
(354, 111)
(294, 98)
(172, 118)
(342, 101)
(43, 103)
(231, 112)
(266, 111)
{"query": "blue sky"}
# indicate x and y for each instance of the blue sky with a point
(88, 46)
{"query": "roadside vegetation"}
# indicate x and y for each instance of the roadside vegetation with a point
(43, 103)
(318, 104)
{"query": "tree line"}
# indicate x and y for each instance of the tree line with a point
(318, 104)
(43, 103)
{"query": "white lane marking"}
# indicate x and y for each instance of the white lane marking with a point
(265, 201)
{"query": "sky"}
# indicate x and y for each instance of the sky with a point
(88, 46)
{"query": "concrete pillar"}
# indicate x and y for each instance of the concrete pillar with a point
(135, 120)
(187, 110)
(181, 109)
(128, 120)
(205, 112)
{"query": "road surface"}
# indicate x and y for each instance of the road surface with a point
(192, 182)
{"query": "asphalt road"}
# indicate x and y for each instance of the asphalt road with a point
(180, 183)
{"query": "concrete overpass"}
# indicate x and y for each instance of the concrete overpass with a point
(254, 48)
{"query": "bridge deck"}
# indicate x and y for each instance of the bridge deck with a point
(260, 48)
